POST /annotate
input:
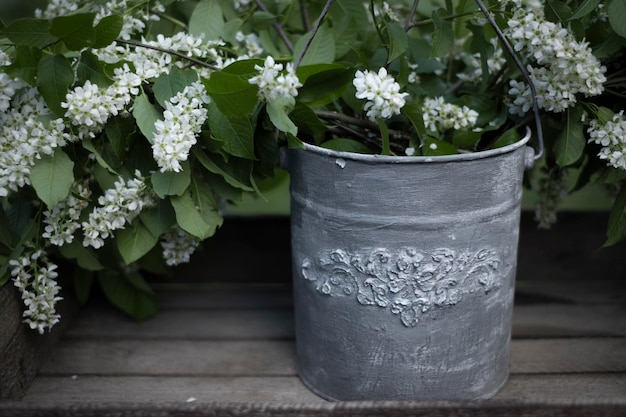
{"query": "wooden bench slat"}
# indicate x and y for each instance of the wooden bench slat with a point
(85, 389)
(529, 321)
(277, 358)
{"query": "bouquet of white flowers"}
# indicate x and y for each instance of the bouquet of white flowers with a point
(125, 124)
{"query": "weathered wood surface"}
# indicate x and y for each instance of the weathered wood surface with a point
(23, 351)
(223, 349)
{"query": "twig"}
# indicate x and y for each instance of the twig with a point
(168, 51)
(408, 24)
(278, 27)
(306, 19)
(518, 63)
(314, 31)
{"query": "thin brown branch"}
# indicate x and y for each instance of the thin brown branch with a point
(314, 31)
(278, 27)
(168, 51)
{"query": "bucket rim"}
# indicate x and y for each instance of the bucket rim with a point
(470, 156)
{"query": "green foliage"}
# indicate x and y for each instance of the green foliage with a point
(438, 51)
(52, 177)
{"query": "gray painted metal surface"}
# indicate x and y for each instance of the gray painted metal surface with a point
(404, 271)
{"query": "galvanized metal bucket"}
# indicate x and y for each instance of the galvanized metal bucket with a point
(404, 271)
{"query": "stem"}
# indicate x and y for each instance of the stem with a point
(278, 27)
(408, 25)
(167, 51)
(314, 31)
(173, 20)
(306, 19)
(518, 63)
(367, 124)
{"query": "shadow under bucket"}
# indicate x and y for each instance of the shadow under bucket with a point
(404, 271)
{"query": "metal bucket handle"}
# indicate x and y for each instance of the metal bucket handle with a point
(533, 92)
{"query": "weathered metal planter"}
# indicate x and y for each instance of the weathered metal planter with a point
(404, 271)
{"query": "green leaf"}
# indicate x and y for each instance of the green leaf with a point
(237, 133)
(207, 19)
(570, 144)
(76, 30)
(134, 241)
(323, 83)
(6, 236)
(25, 64)
(83, 281)
(320, 51)
(617, 16)
(616, 230)
(92, 69)
(107, 30)
(33, 33)
(413, 112)
(196, 211)
(129, 293)
(346, 145)
(465, 139)
(384, 134)
(52, 177)
(226, 171)
(119, 131)
(586, 7)
(233, 94)
(509, 137)
(171, 183)
(557, 11)
(146, 115)
(436, 147)
(278, 110)
(398, 40)
(168, 85)
(88, 145)
(443, 35)
(85, 257)
(160, 218)
(54, 78)
(309, 124)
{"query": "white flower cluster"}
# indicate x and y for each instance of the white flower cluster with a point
(89, 106)
(562, 66)
(62, 220)
(494, 63)
(182, 119)
(133, 23)
(241, 5)
(118, 206)
(552, 189)
(381, 91)
(178, 246)
(440, 116)
(27, 132)
(150, 63)
(611, 135)
(251, 43)
(383, 10)
(35, 277)
(273, 82)
(57, 8)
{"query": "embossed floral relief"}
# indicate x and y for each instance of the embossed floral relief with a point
(408, 282)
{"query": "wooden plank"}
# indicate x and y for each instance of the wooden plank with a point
(198, 296)
(592, 291)
(179, 357)
(600, 388)
(164, 389)
(529, 321)
(579, 356)
(564, 320)
(489, 408)
(24, 350)
(277, 358)
(217, 324)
